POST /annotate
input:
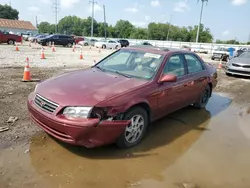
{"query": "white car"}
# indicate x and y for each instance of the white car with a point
(200, 50)
(110, 44)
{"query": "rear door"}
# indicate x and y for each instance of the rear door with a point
(197, 77)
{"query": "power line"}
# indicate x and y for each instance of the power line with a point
(56, 7)
(105, 28)
(198, 30)
(93, 2)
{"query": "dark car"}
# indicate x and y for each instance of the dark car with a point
(123, 42)
(188, 48)
(146, 43)
(115, 100)
(64, 40)
(239, 65)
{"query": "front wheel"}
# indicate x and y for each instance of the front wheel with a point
(103, 46)
(135, 131)
(204, 98)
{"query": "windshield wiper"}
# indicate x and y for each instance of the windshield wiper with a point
(100, 68)
(120, 73)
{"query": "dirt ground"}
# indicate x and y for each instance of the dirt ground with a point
(190, 148)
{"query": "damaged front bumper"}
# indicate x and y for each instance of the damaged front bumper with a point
(86, 132)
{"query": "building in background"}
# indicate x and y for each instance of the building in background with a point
(19, 27)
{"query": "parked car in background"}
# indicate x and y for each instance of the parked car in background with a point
(35, 38)
(123, 42)
(78, 39)
(27, 35)
(240, 51)
(200, 50)
(146, 43)
(6, 37)
(220, 54)
(184, 47)
(57, 39)
(88, 42)
(107, 44)
(239, 65)
(115, 100)
(32, 37)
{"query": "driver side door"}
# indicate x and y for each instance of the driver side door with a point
(172, 94)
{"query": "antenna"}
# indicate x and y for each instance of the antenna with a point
(198, 30)
(105, 28)
(92, 23)
(56, 7)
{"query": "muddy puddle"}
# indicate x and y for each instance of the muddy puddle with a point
(209, 148)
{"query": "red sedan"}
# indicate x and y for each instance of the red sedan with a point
(115, 100)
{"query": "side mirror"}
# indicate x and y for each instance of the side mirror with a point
(168, 78)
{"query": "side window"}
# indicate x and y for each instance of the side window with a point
(194, 65)
(175, 65)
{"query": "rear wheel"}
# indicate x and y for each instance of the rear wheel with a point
(204, 98)
(11, 42)
(69, 45)
(135, 131)
(103, 46)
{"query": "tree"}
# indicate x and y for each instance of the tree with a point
(71, 25)
(248, 43)
(45, 27)
(7, 12)
(139, 33)
(124, 28)
(204, 36)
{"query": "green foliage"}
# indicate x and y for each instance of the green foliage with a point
(124, 29)
(7, 12)
(232, 41)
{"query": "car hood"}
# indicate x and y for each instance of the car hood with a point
(86, 87)
(240, 61)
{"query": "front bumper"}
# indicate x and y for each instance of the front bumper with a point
(88, 132)
(237, 71)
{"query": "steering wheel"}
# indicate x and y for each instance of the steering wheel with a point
(149, 69)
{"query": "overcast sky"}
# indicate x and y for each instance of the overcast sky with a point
(227, 19)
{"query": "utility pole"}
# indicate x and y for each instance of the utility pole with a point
(169, 26)
(93, 12)
(198, 30)
(56, 10)
(36, 22)
(105, 28)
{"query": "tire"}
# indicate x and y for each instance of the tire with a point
(228, 74)
(11, 42)
(212, 58)
(69, 45)
(116, 47)
(86, 44)
(124, 141)
(103, 46)
(204, 98)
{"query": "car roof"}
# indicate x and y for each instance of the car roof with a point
(154, 49)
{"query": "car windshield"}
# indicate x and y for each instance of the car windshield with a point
(245, 55)
(132, 63)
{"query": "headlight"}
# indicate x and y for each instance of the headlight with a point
(77, 112)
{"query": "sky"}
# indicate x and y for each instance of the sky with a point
(227, 19)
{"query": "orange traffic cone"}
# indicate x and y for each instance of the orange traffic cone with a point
(220, 65)
(26, 73)
(42, 54)
(81, 56)
(17, 49)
